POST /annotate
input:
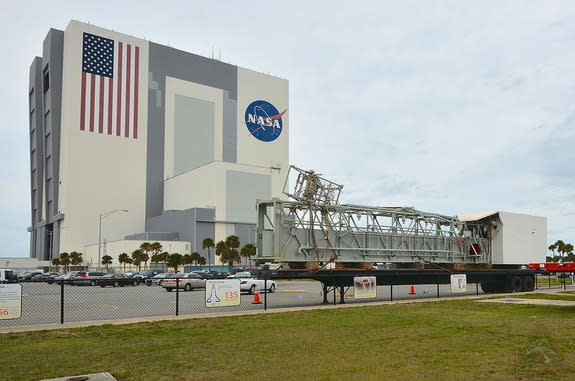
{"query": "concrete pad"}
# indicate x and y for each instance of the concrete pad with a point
(85, 377)
(542, 302)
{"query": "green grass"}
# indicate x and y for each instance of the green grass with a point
(543, 282)
(447, 340)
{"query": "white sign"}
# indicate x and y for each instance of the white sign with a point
(10, 301)
(458, 283)
(364, 287)
(222, 292)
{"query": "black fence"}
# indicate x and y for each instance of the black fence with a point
(43, 303)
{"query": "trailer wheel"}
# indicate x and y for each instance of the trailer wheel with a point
(528, 283)
(516, 284)
(488, 287)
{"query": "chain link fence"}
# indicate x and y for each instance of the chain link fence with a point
(59, 302)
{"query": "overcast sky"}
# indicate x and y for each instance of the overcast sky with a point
(451, 107)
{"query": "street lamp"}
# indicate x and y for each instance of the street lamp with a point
(100, 233)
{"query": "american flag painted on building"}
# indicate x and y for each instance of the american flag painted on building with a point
(110, 78)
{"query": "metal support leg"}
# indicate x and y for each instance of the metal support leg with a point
(325, 291)
(62, 301)
(438, 290)
(391, 292)
(177, 297)
(341, 295)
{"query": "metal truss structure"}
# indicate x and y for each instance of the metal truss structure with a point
(316, 228)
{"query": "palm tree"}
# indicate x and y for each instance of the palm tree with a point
(248, 251)
(137, 258)
(174, 261)
(560, 247)
(124, 258)
(56, 262)
(206, 244)
(187, 259)
(145, 258)
(75, 258)
(195, 257)
(156, 247)
(106, 260)
(65, 260)
(202, 261)
(146, 247)
(228, 253)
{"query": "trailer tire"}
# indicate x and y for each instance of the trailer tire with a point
(488, 287)
(528, 283)
(516, 284)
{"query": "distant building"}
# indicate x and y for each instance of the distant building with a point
(184, 143)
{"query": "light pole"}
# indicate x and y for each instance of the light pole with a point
(100, 234)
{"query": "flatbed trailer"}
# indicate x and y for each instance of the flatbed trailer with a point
(491, 280)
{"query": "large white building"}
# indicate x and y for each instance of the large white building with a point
(143, 142)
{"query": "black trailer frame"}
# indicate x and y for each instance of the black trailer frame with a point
(491, 280)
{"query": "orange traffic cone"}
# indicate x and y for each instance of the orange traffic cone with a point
(412, 290)
(257, 296)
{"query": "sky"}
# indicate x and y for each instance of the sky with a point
(451, 107)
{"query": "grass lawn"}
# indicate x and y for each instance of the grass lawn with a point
(445, 340)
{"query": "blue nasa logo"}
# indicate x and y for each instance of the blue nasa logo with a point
(264, 121)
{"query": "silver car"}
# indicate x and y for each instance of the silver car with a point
(187, 282)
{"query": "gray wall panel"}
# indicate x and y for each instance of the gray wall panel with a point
(242, 191)
(166, 61)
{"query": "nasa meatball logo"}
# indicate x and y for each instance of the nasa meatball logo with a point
(264, 121)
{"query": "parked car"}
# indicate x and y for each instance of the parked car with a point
(203, 274)
(157, 280)
(117, 280)
(45, 277)
(219, 274)
(248, 283)
(65, 277)
(187, 282)
(28, 276)
(145, 274)
(8, 276)
(86, 278)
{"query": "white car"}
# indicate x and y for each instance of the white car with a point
(248, 283)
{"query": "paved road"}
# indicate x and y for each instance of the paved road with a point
(41, 302)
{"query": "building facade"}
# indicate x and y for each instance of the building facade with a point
(135, 141)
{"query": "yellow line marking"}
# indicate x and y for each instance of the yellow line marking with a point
(293, 291)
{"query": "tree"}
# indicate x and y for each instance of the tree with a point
(137, 258)
(156, 247)
(206, 244)
(145, 258)
(248, 251)
(202, 261)
(75, 258)
(228, 253)
(187, 259)
(195, 256)
(124, 259)
(164, 257)
(106, 261)
(56, 262)
(146, 247)
(174, 260)
(65, 260)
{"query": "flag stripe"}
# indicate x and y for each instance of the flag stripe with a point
(110, 103)
(83, 108)
(101, 106)
(127, 105)
(92, 96)
(119, 96)
(136, 83)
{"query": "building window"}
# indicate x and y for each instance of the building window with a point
(46, 80)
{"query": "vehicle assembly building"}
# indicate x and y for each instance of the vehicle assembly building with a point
(134, 141)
